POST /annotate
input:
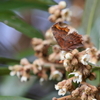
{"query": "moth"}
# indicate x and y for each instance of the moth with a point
(66, 36)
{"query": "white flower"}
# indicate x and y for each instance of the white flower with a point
(12, 73)
(56, 75)
(68, 56)
(87, 49)
(85, 59)
(62, 4)
(66, 14)
(39, 67)
(24, 61)
(23, 79)
(57, 87)
(11, 68)
(62, 92)
(66, 63)
(78, 77)
(15, 70)
(62, 55)
(18, 74)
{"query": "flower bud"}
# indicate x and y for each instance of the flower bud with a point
(57, 12)
(76, 92)
(84, 96)
(52, 18)
(52, 9)
(66, 63)
(62, 4)
(68, 56)
(24, 61)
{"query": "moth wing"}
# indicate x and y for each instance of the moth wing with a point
(67, 41)
(73, 41)
(59, 38)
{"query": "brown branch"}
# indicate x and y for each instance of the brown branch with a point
(48, 65)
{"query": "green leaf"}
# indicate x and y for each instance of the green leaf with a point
(89, 13)
(4, 71)
(11, 19)
(12, 98)
(95, 33)
(25, 53)
(8, 60)
(13, 4)
(91, 21)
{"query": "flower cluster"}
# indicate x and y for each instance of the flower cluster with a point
(87, 42)
(39, 66)
(77, 63)
(22, 70)
(40, 47)
(59, 13)
(85, 92)
(64, 86)
(49, 36)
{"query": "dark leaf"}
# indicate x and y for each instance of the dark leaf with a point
(11, 19)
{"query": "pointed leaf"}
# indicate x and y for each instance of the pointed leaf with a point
(89, 13)
(12, 98)
(11, 19)
(13, 4)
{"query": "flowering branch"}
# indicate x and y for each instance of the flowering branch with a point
(78, 63)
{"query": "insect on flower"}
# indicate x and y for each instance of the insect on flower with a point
(66, 36)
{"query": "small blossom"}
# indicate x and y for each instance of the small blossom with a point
(62, 4)
(23, 79)
(15, 69)
(87, 90)
(52, 9)
(66, 14)
(52, 18)
(60, 85)
(87, 49)
(62, 92)
(76, 92)
(19, 74)
(68, 56)
(56, 75)
(49, 35)
(24, 61)
(78, 77)
(85, 59)
(62, 55)
(12, 73)
(66, 63)
(57, 13)
(38, 64)
(57, 87)
(84, 96)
